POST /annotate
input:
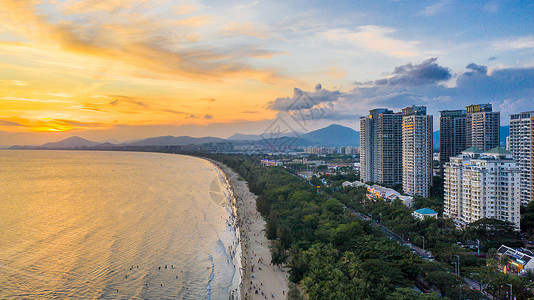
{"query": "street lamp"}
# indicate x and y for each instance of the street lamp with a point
(510, 290)
(423, 243)
(458, 263)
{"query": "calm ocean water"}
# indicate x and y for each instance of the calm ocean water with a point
(80, 224)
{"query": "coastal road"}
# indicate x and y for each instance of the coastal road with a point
(392, 235)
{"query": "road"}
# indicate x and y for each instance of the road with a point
(420, 252)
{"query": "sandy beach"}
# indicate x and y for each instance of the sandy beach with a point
(260, 279)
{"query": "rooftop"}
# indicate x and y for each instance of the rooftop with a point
(473, 150)
(498, 150)
(426, 211)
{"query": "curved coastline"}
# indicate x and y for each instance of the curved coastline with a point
(234, 290)
(258, 278)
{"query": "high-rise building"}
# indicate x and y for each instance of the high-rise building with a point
(452, 135)
(483, 127)
(416, 151)
(520, 144)
(532, 154)
(482, 185)
(380, 147)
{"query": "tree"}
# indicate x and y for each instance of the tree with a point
(278, 253)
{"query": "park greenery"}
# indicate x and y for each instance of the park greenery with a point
(333, 254)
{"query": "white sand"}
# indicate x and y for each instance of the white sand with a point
(256, 257)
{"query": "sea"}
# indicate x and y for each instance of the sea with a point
(115, 225)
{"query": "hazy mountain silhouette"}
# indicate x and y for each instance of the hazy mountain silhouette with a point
(71, 142)
(175, 141)
(333, 135)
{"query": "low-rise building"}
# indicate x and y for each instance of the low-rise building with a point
(379, 192)
(519, 260)
(423, 213)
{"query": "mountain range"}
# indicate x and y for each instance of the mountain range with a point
(333, 135)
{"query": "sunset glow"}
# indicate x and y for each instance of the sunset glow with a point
(92, 65)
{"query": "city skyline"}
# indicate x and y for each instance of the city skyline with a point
(121, 70)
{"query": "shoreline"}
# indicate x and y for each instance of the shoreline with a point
(259, 279)
(234, 251)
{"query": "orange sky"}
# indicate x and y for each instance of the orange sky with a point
(124, 67)
(127, 69)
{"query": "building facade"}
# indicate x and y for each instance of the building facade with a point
(380, 147)
(482, 185)
(483, 127)
(416, 151)
(521, 145)
(452, 134)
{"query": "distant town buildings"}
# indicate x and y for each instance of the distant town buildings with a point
(482, 185)
(348, 150)
(381, 147)
(520, 143)
(417, 149)
(483, 127)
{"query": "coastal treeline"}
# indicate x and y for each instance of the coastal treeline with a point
(332, 253)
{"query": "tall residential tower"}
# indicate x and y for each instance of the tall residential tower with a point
(381, 150)
(452, 135)
(483, 127)
(416, 151)
(520, 143)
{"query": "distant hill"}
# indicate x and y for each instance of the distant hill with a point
(175, 141)
(505, 132)
(244, 137)
(71, 142)
(333, 135)
(435, 140)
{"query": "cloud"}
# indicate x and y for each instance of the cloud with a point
(163, 47)
(374, 39)
(476, 69)
(208, 117)
(426, 72)
(435, 8)
(492, 58)
(91, 6)
(9, 123)
(524, 42)
(51, 124)
(244, 29)
(117, 99)
(510, 90)
(304, 100)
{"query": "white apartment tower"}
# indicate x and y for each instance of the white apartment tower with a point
(520, 144)
(416, 151)
(482, 185)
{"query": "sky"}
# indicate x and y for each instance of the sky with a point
(117, 70)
